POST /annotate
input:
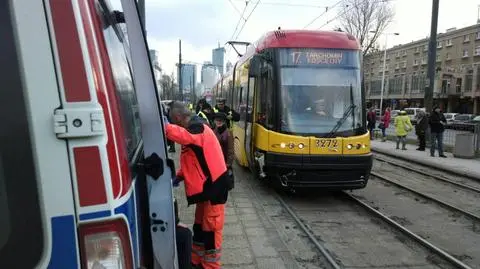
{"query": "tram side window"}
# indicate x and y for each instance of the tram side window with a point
(265, 99)
(125, 92)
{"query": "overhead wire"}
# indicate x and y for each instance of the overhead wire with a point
(319, 16)
(248, 17)
(350, 9)
(288, 4)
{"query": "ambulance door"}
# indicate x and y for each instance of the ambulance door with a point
(159, 178)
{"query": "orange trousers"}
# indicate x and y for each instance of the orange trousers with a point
(208, 235)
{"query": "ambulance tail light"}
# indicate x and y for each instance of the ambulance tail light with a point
(105, 245)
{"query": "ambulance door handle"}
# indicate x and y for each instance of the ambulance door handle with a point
(152, 166)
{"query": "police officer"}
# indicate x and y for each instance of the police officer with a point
(203, 169)
(231, 114)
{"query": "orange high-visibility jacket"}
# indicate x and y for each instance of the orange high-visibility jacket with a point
(202, 164)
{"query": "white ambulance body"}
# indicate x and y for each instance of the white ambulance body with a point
(80, 114)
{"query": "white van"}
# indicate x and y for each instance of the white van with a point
(80, 115)
(412, 113)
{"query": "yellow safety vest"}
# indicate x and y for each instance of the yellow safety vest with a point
(201, 114)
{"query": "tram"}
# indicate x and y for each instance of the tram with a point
(302, 110)
(85, 181)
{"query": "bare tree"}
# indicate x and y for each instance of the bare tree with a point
(366, 20)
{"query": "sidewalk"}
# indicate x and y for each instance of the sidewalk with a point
(466, 167)
(250, 240)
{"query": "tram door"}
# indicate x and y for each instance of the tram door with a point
(252, 85)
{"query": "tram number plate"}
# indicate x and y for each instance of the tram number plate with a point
(327, 143)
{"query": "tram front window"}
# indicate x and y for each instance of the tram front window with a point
(314, 100)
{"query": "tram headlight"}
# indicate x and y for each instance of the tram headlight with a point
(283, 145)
(301, 146)
(349, 146)
(291, 145)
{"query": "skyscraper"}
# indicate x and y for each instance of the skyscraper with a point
(218, 58)
(189, 77)
(209, 75)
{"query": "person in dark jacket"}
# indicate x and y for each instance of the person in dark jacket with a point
(437, 123)
(371, 121)
(225, 137)
(421, 129)
(230, 113)
(184, 241)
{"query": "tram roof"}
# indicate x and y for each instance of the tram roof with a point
(302, 39)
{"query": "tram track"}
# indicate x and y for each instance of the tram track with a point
(456, 193)
(300, 215)
(454, 179)
(450, 206)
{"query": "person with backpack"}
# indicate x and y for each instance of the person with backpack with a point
(204, 173)
(402, 127)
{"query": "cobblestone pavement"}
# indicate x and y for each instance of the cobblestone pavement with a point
(250, 239)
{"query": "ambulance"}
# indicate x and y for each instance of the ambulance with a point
(85, 181)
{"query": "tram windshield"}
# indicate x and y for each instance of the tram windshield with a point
(319, 88)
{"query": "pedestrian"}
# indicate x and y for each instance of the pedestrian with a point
(421, 129)
(385, 123)
(402, 127)
(437, 123)
(183, 241)
(231, 114)
(225, 137)
(203, 169)
(371, 121)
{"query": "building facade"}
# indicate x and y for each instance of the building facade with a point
(209, 75)
(218, 55)
(457, 78)
(189, 78)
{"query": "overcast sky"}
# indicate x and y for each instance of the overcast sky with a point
(202, 24)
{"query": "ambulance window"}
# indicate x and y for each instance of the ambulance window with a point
(126, 95)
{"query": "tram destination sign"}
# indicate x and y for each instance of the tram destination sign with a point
(320, 57)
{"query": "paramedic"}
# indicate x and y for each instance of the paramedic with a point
(203, 170)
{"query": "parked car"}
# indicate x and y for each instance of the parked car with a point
(412, 112)
(461, 121)
(393, 114)
(450, 118)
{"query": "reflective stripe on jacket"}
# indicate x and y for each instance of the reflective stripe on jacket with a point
(202, 164)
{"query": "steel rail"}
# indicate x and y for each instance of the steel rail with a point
(461, 185)
(426, 196)
(309, 234)
(454, 261)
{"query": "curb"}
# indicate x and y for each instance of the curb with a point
(455, 171)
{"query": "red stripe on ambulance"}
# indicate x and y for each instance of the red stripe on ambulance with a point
(68, 46)
(89, 176)
(105, 86)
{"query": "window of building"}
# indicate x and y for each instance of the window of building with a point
(395, 85)
(425, 48)
(415, 62)
(477, 51)
(447, 56)
(466, 38)
(438, 58)
(449, 43)
(465, 53)
(477, 36)
(418, 83)
(417, 49)
(404, 64)
(439, 44)
(375, 87)
(397, 66)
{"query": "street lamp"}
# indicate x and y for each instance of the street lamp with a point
(383, 72)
